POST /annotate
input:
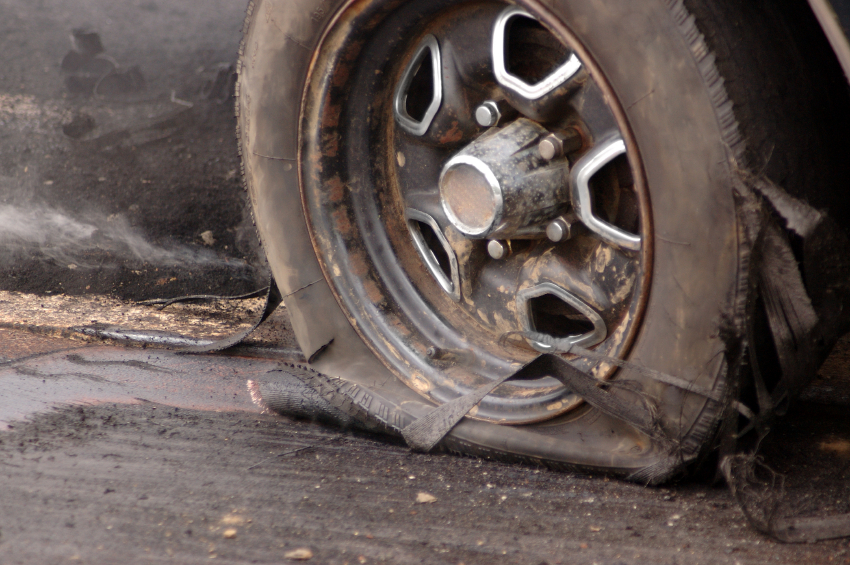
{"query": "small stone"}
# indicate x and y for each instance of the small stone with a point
(229, 533)
(300, 554)
(207, 237)
(79, 126)
(425, 498)
(595, 528)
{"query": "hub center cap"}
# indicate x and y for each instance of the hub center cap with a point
(499, 186)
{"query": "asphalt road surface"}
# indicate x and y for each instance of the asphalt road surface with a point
(111, 453)
(128, 454)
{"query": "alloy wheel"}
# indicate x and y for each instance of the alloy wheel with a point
(468, 177)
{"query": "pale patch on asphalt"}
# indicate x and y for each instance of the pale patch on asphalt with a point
(25, 113)
(100, 374)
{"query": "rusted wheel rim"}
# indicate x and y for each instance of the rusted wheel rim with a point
(468, 174)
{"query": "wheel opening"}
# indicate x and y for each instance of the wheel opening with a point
(552, 316)
(435, 246)
(613, 196)
(420, 93)
(532, 53)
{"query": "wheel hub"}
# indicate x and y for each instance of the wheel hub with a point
(499, 186)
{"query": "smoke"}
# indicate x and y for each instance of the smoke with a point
(92, 242)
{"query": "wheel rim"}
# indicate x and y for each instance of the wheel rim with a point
(455, 196)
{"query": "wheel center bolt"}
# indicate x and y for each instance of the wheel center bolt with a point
(559, 144)
(488, 114)
(559, 229)
(498, 249)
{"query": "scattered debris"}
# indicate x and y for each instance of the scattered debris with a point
(300, 554)
(425, 498)
(207, 237)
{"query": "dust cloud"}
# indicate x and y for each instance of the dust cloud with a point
(91, 242)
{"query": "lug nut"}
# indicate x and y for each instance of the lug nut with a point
(498, 249)
(558, 144)
(488, 114)
(558, 230)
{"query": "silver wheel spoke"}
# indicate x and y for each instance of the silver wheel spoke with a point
(427, 52)
(424, 230)
(512, 82)
(602, 153)
(596, 335)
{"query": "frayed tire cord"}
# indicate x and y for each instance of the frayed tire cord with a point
(760, 501)
(182, 344)
(303, 392)
(426, 432)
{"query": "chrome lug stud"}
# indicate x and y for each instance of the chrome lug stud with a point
(498, 249)
(559, 144)
(559, 229)
(488, 114)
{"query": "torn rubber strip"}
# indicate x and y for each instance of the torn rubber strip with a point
(426, 432)
(184, 344)
(163, 303)
(273, 300)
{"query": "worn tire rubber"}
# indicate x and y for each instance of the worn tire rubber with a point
(664, 76)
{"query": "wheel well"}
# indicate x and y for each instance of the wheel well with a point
(791, 97)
